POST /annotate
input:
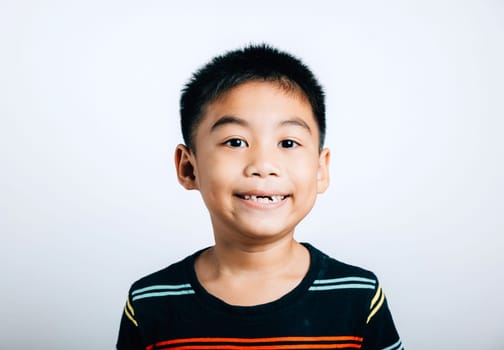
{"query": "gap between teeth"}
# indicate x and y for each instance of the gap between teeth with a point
(263, 199)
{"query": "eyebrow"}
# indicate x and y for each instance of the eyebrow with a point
(228, 119)
(296, 122)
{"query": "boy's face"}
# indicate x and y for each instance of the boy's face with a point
(257, 162)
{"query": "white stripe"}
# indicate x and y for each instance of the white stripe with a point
(345, 279)
(163, 294)
(167, 286)
(342, 286)
(394, 346)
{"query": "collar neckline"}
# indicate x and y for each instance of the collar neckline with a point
(209, 300)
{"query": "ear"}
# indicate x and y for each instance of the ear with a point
(323, 171)
(184, 165)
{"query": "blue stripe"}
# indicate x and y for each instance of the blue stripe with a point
(163, 294)
(167, 286)
(396, 346)
(345, 279)
(342, 286)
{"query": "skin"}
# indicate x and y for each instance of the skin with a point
(256, 140)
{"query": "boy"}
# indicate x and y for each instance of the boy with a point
(253, 122)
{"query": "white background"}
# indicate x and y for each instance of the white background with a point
(89, 201)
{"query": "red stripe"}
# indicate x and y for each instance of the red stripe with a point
(262, 340)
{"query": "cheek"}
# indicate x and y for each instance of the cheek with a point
(215, 174)
(303, 169)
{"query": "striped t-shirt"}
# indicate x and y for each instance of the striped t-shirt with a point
(336, 306)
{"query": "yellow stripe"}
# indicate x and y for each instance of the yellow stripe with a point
(126, 312)
(375, 310)
(375, 298)
(130, 308)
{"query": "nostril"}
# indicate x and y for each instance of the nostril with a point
(258, 169)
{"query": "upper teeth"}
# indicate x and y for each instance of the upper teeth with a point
(263, 199)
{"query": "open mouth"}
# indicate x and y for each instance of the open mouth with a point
(263, 199)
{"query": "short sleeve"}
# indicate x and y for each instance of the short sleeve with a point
(380, 331)
(129, 334)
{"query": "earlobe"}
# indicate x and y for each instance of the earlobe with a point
(323, 170)
(184, 165)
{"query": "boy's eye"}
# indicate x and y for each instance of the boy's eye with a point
(288, 143)
(235, 143)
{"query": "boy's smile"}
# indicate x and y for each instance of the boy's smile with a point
(256, 163)
(262, 198)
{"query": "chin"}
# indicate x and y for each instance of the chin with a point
(267, 232)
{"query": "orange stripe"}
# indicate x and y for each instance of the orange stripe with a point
(263, 340)
(268, 347)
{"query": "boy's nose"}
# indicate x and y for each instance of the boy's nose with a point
(262, 163)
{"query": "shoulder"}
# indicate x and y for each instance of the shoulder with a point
(335, 274)
(170, 280)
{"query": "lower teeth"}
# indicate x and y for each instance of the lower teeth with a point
(263, 199)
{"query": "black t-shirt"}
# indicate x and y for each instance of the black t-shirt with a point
(335, 306)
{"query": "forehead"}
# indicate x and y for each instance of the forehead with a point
(278, 89)
(261, 100)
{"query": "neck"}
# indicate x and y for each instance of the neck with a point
(270, 258)
(252, 275)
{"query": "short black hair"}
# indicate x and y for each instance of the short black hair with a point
(259, 62)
